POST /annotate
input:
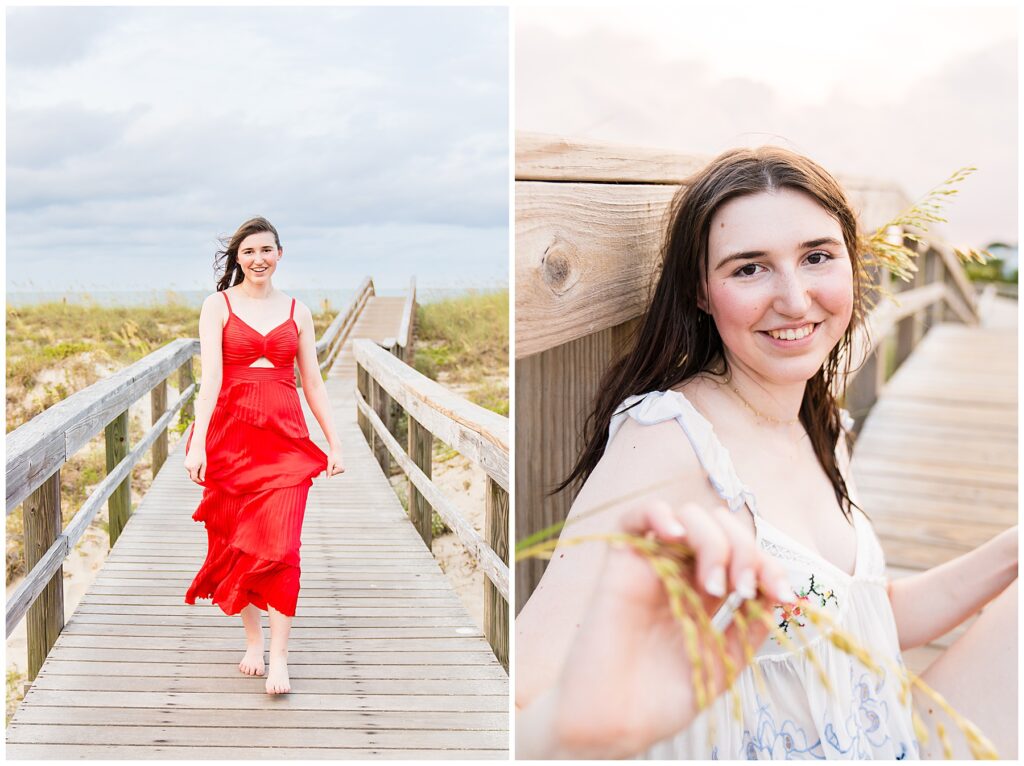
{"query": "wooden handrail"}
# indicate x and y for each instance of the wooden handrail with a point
(337, 332)
(384, 381)
(405, 327)
(477, 433)
(36, 449)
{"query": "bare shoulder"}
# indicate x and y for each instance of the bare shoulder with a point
(643, 462)
(214, 305)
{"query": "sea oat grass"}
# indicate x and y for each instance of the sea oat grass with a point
(667, 561)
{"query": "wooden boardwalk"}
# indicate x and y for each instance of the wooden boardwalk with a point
(384, 660)
(936, 460)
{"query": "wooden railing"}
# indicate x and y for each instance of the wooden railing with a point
(939, 291)
(387, 387)
(337, 332)
(37, 450)
(590, 218)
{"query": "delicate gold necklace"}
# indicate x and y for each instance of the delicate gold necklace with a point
(761, 415)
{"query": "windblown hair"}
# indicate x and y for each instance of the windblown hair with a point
(676, 340)
(225, 262)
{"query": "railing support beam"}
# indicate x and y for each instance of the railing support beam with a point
(41, 512)
(495, 606)
(420, 447)
(119, 505)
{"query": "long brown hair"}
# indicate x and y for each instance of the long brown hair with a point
(225, 262)
(676, 340)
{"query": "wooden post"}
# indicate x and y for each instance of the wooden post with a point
(120, 503)
(381, 404)
(45, 618)
(495, 607)
(185, 379)
(420, 446)
(862, 393)
(363, 386)
(932, 273)
(158, 402)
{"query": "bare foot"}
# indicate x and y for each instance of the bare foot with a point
(277, 677)
(252, 662)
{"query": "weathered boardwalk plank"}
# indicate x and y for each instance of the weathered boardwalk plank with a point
(384, 660)
(936, 460)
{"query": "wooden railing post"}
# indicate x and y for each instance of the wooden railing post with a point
(363, 387)
(420, 446)
(119, 505)
(185, 379)
(41, 514)
(495, 607)
(910, 329)
(158, 404)
(932, 266)
(381, 404)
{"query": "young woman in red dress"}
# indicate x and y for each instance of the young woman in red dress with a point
(249, 446)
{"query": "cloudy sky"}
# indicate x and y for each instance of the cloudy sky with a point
(909, 94)
(375, 140)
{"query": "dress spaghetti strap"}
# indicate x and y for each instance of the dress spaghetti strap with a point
(225, 294)
(292, 314)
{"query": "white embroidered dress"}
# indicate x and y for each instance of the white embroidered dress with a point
(795, 717)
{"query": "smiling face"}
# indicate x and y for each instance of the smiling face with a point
(779, 284)
(258, 255)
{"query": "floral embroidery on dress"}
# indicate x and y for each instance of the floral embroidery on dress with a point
(789, 614)
(771, 741)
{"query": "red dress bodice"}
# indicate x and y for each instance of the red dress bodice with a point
(242, 345)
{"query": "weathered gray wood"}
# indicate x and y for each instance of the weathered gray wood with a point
(158, 403)
(34, 584)
(330, 335)
(492, 566)
(42, 525)
(119, 504)
(478, 434)
(936, 461)
(38, 448)
(405, 329)
(381, 404)
(209, 751)
(496, 626)
(421, 451)
(186, 382)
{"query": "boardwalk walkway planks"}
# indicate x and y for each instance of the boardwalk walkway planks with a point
(936, 460)
(384, 660)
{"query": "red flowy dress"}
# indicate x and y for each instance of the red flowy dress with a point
(260, 464)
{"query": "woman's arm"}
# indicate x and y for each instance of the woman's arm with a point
(933, 602)
(312, 381)
(211, 325)
(601, 667)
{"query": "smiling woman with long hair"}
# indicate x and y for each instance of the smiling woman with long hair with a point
(249, 446)
(729, 387)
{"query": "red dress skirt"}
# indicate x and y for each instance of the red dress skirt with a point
(260, 466)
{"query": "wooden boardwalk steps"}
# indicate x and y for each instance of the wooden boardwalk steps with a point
(384, 660)
(936, 460)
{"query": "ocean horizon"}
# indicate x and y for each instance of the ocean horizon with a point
(336, 299)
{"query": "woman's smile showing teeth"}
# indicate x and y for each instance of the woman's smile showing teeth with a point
(790, 336)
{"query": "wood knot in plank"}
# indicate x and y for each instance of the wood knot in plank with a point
(559, 266)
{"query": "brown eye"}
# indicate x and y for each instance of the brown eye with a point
(821, 257)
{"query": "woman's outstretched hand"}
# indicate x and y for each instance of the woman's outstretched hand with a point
(335, 465)
(627, 682)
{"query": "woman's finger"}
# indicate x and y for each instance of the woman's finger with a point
(743, 565)
(711, 546)
(654, 516)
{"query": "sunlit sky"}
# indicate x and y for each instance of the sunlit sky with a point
(374, 139)
(907, 93)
